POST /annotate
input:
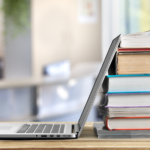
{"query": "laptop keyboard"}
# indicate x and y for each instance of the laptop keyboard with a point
(48, 128)
(62, 128)
(24, 128)
(56, 128)
(42, 128)
(32, 128)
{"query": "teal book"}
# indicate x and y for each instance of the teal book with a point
(126, 83)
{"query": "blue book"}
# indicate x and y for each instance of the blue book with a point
(126, 83)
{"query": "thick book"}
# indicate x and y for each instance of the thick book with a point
(103, 133)
(124, 112)
(125, 99)
(133, 63)
(127, 123)
(126, 83)
(140, 40)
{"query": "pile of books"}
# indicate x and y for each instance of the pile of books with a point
(125, 103)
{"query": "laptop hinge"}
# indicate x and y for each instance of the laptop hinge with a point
(76, 128)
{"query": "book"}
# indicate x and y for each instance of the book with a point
(125, 102)
(124, 111)
(126, 83)
(125, 99)
(133, 63)
(103, 133)
(140, 40)
(127, 123)
(126, 50)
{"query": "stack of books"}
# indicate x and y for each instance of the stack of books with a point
(125, 103)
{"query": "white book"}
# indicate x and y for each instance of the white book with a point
(124, 123)
(127, 100)
(136, 40)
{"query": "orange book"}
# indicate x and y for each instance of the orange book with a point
(127, 123)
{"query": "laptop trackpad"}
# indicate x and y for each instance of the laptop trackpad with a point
(9, 128)
(5, 127)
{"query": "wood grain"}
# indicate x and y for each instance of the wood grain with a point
(87, 140)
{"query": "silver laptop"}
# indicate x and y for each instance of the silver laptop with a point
(59, 131)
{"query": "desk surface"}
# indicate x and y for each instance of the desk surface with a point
(87, 140)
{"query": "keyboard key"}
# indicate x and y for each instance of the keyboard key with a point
(62, 128)
(32, 128)
(55, 128)
(23, 129)
(48, 128)
(40, 128)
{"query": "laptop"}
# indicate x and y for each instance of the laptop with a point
(60, 131)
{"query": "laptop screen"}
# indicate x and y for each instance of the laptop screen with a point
(98, 82)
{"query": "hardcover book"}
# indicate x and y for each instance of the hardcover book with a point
(140, 40)
(126, 83)
(125, 99)
(124, 111)
(127, 123)
(133, 63)
(135, 50)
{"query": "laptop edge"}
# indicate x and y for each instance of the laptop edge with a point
(99, 80)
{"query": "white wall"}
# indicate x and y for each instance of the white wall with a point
(110, 11)
(57, 34)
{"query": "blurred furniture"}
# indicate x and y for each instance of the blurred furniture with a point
(87, 140)
(82, 70)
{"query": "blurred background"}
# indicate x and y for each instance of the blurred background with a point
(51, 52)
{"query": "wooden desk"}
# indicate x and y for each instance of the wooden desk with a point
(87, 140)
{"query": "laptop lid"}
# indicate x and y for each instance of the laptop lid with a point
(98, 83)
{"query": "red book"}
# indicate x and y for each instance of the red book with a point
(127, 123)
(133, 49)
